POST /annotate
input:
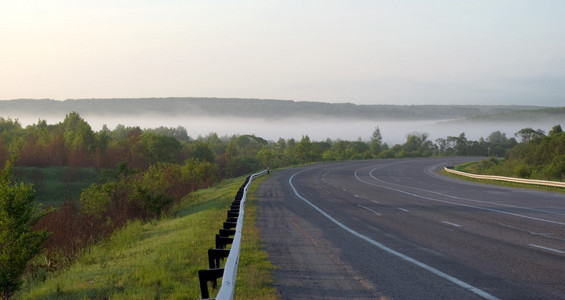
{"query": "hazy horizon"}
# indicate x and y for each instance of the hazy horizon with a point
(363, 52)
(393, 132)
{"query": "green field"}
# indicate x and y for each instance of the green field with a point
(161, 259)
(55, 185)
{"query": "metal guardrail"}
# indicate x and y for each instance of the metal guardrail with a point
(508, 179)
(232, 227)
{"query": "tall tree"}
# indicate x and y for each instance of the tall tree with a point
(376, 141)
(19, 243)
(303, 149)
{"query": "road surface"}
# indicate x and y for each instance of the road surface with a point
(396, 229)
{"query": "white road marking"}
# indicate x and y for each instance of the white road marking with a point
(452, 224)
(547, 235)
(402, 209)
(364, 207)
(433, 270)
(454, 203)
(374, 201)
(356, 196)
(546, 248)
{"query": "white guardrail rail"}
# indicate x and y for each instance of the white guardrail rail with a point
(229, 272)
(230, 269)
(508, 179)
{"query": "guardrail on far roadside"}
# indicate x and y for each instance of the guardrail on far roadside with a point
(508, 179)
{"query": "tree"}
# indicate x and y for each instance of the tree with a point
(460, 143)
(19, 243)
(265, 155)
(528, 134)
(303, 149)
(417, 145)
(158, 148)
(77, 133)
(555, 130)
(376, 141)
(202, 152)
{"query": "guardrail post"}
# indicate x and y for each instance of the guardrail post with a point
(208, 275)
(221, 241)
(229, 225)
(227, 232)
(233, 214)
(214, 256)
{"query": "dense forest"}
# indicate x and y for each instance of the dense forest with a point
(251, 108)
(142, 173)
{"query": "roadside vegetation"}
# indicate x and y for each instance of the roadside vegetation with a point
(112, 197)
(161, 259)
(537, 156)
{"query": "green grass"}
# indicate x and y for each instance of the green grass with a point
(161, 259)
(54, 185)
(254, 280)
(467, 167)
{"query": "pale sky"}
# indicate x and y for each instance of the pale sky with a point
(364, 52)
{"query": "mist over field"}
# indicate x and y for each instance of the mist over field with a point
(274, 119)
(319, 129)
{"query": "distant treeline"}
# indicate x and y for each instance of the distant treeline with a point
(544, 114)
(250, 108)
(73, 143)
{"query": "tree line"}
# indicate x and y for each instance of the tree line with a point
(74, 144)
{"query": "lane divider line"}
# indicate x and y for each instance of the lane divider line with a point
(473, 200)
(452, 224)
(547, 248)
(455, 203)
(433, 270)
(364, 207)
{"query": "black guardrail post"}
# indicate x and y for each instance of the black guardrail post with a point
(208, 275)
(227, 232)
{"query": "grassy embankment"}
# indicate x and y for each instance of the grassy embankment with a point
(472, 167)
(161, 259)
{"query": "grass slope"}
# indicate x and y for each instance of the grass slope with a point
(161, 259)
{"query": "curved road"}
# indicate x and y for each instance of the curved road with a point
(396, 229)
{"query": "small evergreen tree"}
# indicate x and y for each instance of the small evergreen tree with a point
(19, 243)
(376, 141)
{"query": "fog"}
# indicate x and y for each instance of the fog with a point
(393, 132)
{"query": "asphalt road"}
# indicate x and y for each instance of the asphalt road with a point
(396, 229)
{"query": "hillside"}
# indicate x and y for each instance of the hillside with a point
(248, 108)
(554, 114)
